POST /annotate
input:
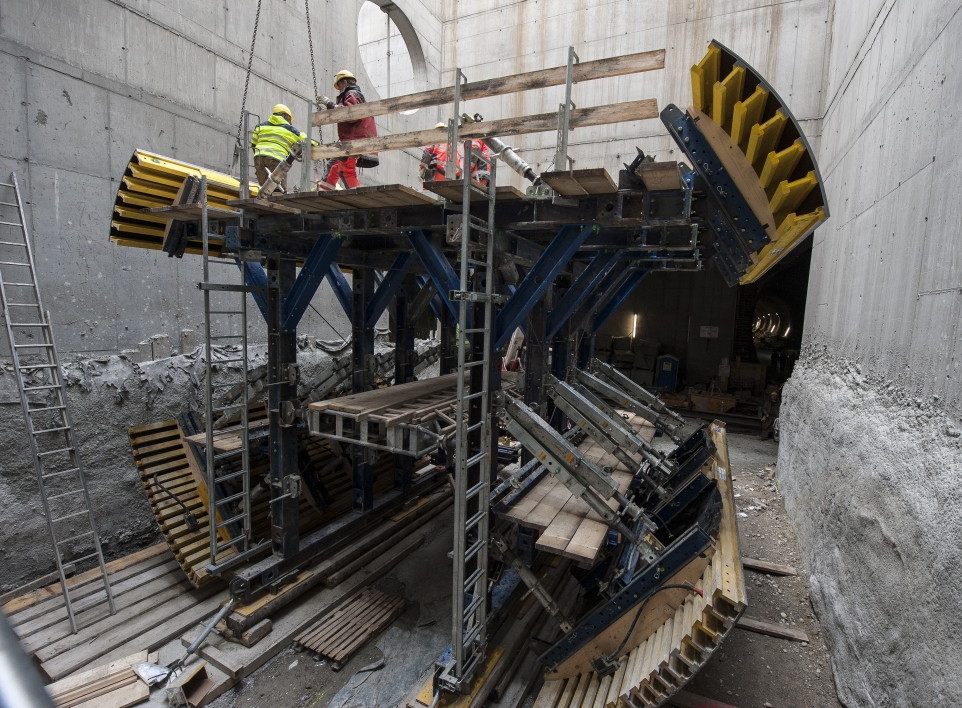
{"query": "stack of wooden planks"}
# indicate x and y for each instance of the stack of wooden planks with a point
(161, 449)
(343, 633)
(154, 600)
(567, 525)
(581, 183)
(672, 653)
(113, 685)
(453, 190)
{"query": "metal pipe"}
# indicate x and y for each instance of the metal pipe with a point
(20, 684)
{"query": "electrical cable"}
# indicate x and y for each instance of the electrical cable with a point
(189, 518)
(631, 629)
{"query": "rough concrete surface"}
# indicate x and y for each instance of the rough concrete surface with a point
(107, 396)
(870, 475)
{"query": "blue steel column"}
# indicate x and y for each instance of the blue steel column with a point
(282, 352)
(404, 354)
(362, 380)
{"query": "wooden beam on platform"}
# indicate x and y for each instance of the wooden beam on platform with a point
(585, 71)
(541, 123)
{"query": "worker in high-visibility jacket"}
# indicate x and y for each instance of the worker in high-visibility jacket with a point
(480, 170)
(349, 95)
(272, 141)
(434, 160)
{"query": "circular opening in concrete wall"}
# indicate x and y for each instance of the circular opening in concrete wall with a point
(389, 49)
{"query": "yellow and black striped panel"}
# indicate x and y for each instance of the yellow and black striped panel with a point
(771, 146)
(152, 181)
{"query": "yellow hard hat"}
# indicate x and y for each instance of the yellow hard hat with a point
(441, 125)
(283, 110)
(343, 74)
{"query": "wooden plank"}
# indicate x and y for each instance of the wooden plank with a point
(564, 183)
(44, 600)
(767, 567)
(137, 620)
(740, 170)
(772, 629)
(659, 176)
(130, 695)
(261, 207)
(384, 398)
(65, 688)
(47, 579)
(545, 122)
(190, 212)
(556, 76)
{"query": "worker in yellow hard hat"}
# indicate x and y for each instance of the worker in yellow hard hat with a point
(434, 159)
(349, 95)
(272, 141)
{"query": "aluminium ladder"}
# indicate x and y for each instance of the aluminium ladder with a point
(227, 473)
(43, 395)
(476, 426)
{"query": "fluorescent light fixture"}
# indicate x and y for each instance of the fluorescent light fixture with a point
(634, 326)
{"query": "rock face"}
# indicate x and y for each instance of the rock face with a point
(108, 396)
(870, 478)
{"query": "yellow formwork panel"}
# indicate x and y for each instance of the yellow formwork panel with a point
(725, 95)
(141, 201)
(746, 114)
(788, 196)
(764, 137)
(792, 229)
(780, 165)
(704, 74)
(136, 214)
(127, 227)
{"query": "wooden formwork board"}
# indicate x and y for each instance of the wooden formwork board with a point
(664, 661)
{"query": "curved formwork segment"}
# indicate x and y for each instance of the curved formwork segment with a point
(151, 181)
(762, 147)
(675, 650)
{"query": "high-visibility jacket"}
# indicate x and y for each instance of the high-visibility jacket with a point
(433, 161)
(275, 137)
(477, 167)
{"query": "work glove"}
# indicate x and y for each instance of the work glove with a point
(326, 102)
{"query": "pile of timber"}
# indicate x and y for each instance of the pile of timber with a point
(154, 600)
(162, 449)
(340, 635)
(113, 685)
(156, 604)
(651, 671)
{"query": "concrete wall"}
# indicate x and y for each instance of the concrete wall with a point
(786, 41)
(871, 443)
(672, 308)
(88, 83)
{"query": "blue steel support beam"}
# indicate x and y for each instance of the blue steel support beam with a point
(342, 289)
(600, 296)
(435, 303)
(305, 286)
(389, 286)
(539, 279)
(255, 276)
(437, 266)
(583, 286)
(631, 282)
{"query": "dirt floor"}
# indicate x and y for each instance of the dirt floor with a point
(750, 671)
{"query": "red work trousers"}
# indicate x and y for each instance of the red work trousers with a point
(345, 167)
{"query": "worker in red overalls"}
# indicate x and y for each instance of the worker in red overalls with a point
(434, 159)
(480, 171)
(350, 95)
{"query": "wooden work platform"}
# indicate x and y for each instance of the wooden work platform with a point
(567, 524)
(580, 183)
(453, 191)
(377, 197)
(671, 641)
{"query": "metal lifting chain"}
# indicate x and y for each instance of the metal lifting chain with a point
(247, 80)
(310, 43)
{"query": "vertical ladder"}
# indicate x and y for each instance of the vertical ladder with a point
(63, 485)
(225, 401)
(476, 426)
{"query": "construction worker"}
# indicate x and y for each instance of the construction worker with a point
(480, 171)
(434, 159)
(349, 95)
(272, 141)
